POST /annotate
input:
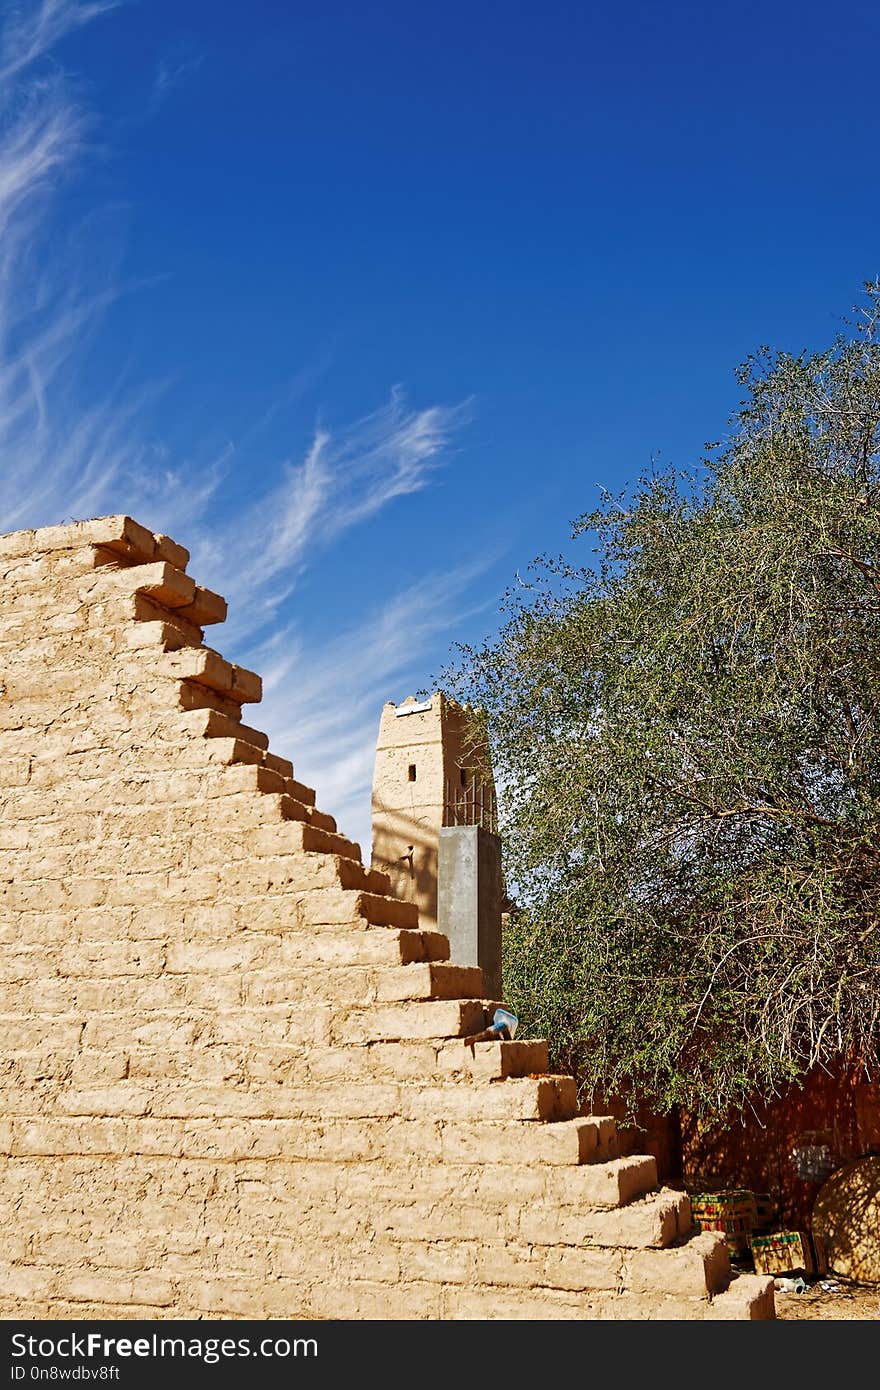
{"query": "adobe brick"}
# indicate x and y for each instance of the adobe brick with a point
(540, 1098)
(366, 1300)
(206, 608)
(655, 1220)
(211, 723)
(563, 1142)
(700, 1267)
(612, 1183)
(749, 1296)
(442, 1019)
(120, 534)
(493, 1060)
(430, 981)
(167, 549)
(512, 1305)
(572, 1267)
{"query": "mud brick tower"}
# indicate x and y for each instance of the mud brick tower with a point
(431, 771)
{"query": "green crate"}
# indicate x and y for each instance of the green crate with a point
(733, 1211)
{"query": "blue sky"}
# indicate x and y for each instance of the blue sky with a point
(364, 302)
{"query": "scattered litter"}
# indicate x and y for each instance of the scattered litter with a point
(828, 1285)
(505, 1022)
(813, 1162)
(790, 1285)
(503, 1026)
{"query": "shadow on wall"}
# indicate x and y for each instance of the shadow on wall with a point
(788, 1147)
(414, 874)
(658, 1135)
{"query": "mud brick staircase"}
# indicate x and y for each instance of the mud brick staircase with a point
(234, 1080)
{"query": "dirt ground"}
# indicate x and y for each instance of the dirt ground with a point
(842, 1300)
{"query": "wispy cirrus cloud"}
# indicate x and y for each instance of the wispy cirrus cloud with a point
(35, 145)
(321, 702)
(31, 30)
(347, 476)
(174, 68)
(65, 453)
(70, 452)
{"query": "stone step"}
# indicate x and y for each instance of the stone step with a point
(748, 1297)
(167, 549)
(310, 838)
(351, 908)
(530, 1303)
(203, 666)
(699, 1265)
(232, 752)
(388, 946)
(385, 945)
(188, 603)
(423, 946)
(162, 634)
(191, 696)
(430, 981)
(399, 1022)
(211, 723)
(282, 765)
(532, 1098)
(656, 1220)
(420, 1062)
(206, 608)
(256, 802)
(251, 776)
(159, 581)
(298, 791)
(335, 871)
(490, 1061)
(162, 582)
(232, 743)
(254, 769)
(131, 542)
(607, 1141)
(381, 910)
(140, 608)
(571, 1141)
(328, 870)
(698, 1268)
(613, 1182)
(378, 882)
(305, 796)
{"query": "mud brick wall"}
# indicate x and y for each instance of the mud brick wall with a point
(234, 1081)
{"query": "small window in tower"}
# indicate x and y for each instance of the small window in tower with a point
(464, 776)
(412, 772)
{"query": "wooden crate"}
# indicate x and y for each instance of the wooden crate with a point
(732, 1211)
(781, 1252)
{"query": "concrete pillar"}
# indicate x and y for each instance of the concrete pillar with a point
(469, 893)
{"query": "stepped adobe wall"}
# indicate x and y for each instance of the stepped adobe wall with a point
(234, 1075)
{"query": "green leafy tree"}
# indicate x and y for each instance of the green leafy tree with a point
(686, 734)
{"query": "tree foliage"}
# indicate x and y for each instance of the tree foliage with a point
(686, 735)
